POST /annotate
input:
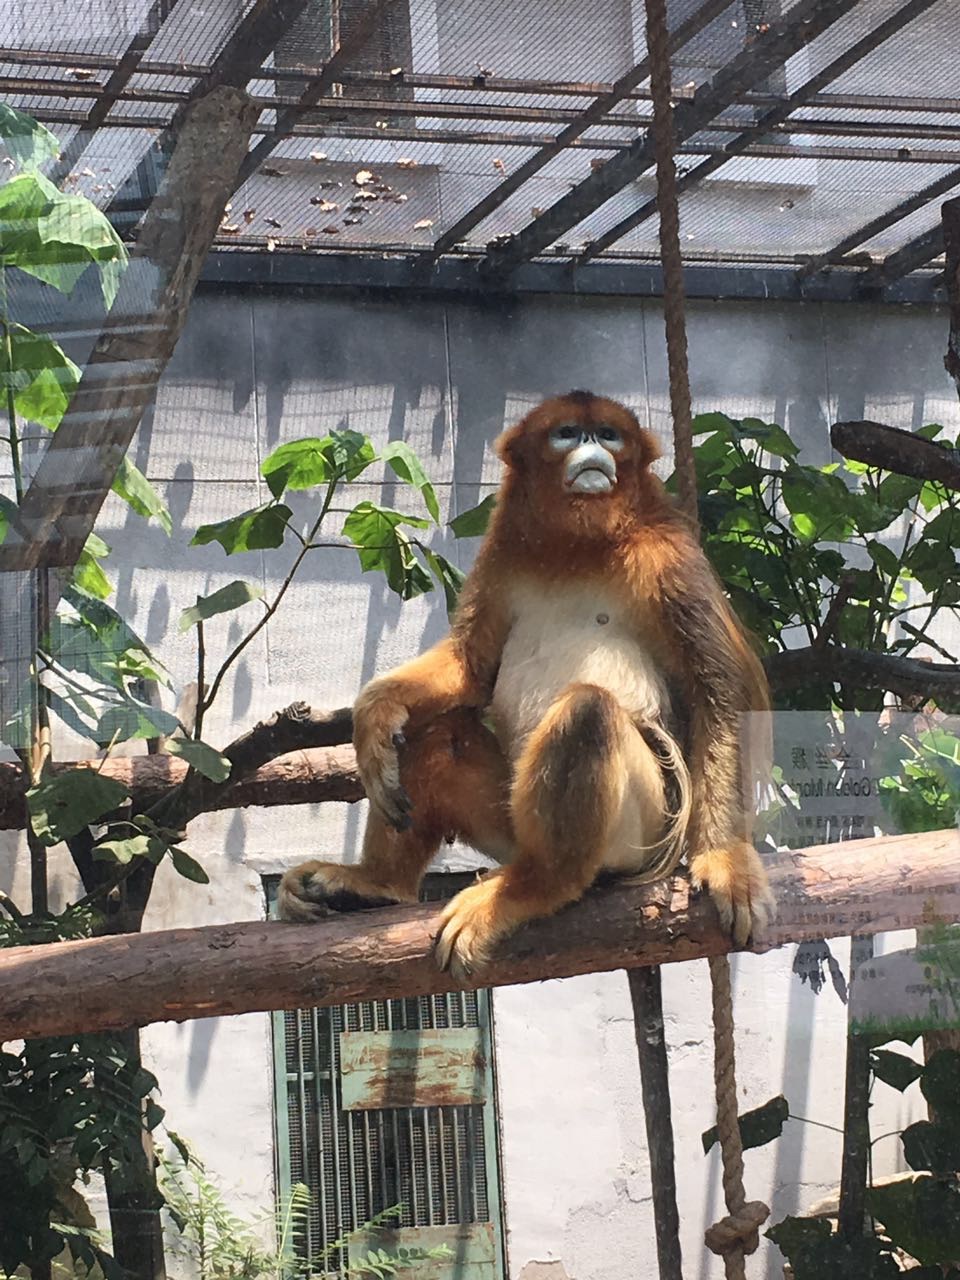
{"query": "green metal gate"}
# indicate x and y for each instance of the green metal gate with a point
(392, 1103)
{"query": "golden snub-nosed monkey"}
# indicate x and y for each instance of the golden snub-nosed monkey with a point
(595, 638)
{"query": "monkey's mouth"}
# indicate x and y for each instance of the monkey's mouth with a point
(590, 469)
(590, 480)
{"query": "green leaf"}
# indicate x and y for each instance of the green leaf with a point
(895, 1069)
(921, 1217)
(71, 707)
(883, 558)
(254, 530)
(405, 463)
(382, 545)
(233, 596)
(824, 508)
(124, 851)
(8, 511)
(88, 575)
(135, 720)
(714, 422)
(940, 1084)
(55, 237)
(314, 460)
(773, 439)
(451, 578)
(188, 867)
(931, 561)
(28, 142)
(351, 452)
(932, 496)
(899, 492)
(64, 803)
(205, 759)
(137, 491)
(793, 1235)
(931, 1145)
(43, 377)
(101, 643)
(473, 523)
(757, 1127)
(929, 431)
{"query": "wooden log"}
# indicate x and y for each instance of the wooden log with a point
(82, 459)
(302, 777)
(863, 886)
(893, 449)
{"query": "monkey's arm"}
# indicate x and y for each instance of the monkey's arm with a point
(460, 671)
(722, 679)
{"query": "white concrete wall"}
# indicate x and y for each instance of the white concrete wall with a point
(252, 371)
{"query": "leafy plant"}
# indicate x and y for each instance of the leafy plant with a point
(69, 1105)
(803, 550)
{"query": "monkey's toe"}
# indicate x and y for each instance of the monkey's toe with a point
(738, 886)
(316, 889)
(468, 932)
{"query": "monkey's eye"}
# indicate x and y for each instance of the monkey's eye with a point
(563, 438)
(610, 438)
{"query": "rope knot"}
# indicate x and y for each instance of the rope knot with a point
(738, 1230)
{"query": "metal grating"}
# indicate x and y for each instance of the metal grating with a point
(438, 1163)
(445, 101)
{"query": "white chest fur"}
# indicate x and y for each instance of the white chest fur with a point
(570, 634)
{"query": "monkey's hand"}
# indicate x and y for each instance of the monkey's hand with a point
(378, 722)
(738, 885)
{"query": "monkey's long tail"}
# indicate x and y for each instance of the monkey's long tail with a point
(668, 850)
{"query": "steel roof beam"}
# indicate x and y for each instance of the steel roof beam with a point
(117, 82)
(315, 89)
(236, 64)
(884, 220)
(593, 114)
(915, 253)
(807, 20)
(769, 120)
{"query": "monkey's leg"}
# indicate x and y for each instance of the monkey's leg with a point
(585, 779)
(456, 776)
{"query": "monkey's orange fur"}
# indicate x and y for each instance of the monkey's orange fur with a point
(593, 630)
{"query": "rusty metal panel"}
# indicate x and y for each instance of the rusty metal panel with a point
(472, 1247)
(422, 1068)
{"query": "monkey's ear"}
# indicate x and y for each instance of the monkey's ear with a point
(649, 450)
(508, 446)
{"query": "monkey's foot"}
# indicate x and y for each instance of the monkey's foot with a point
(738, 885)
(315, 889)
(470, 925)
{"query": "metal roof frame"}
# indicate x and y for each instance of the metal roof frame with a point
(786, 127)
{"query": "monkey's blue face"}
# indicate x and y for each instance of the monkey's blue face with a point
(590, 465)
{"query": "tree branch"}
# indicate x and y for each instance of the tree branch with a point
(312, 776)
(894, 450)
(906, 677)
(304, 769)
(862, 886)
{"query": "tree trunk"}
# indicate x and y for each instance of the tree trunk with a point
(132, 1195)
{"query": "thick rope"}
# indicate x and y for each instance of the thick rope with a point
(674, 318)
(738, 1233)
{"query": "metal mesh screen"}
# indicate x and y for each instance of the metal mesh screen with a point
(444, 103)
